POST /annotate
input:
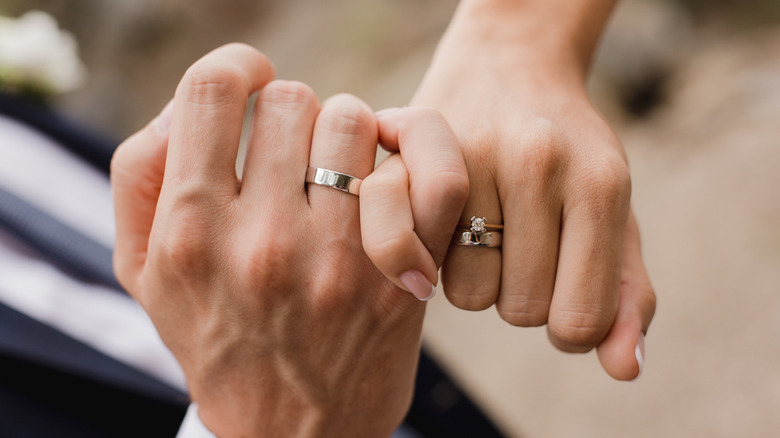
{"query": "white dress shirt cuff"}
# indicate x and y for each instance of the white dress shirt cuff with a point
(192, 427)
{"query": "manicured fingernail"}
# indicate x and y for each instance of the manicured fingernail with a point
(386, 111)
(162, 124)
(639, 353)
(418, 285)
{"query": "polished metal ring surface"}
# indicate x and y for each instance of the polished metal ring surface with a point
(333, 179)
(487, 239)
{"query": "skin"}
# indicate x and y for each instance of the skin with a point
(238, 304)
(261, 286)
(510, 78)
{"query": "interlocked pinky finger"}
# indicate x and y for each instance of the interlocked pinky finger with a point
(387, 227)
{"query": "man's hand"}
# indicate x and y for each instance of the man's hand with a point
(510, 79)
(260, 286)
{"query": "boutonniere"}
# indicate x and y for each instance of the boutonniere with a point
(37, 58)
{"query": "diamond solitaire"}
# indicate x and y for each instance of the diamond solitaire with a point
(477, 224)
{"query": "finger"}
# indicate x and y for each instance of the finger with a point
(211, 101)
(437, 172)
(622, 352)
(279, 142)
(532, 225)
(137, 170)
(388, 230)
(471, 276)
(585, 297)
(344, 140)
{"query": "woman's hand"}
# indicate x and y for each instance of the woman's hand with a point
(260, 286)
(509, 77)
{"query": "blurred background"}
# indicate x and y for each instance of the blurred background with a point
(692, 88)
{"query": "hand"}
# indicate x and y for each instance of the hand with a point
(260, 286)
(542, 161)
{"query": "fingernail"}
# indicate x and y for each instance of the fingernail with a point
(162, 124)
(386, 112)
(639, 353)
(418, 285)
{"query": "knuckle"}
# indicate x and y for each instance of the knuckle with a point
(579, 330)
(182, 240)
(347, 115)
(424, 113)
(331, 287)
(529, 313)
(606, 182)
(288, 94)
(542, 156)
(385, 251)
(263, 264)
(454, 190)
(209, 84)
(181, 251)
(379, 183)
(420, 116)
(240, 47)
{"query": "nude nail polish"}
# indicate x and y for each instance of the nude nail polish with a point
(418, 285)
(639, 353)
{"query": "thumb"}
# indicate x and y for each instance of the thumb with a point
(137, 169)
(622, 352)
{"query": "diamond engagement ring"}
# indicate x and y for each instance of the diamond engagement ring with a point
(480, 225)
(480, 233)
(331, 178)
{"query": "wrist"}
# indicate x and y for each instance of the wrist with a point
(555, 37)
(272, 420)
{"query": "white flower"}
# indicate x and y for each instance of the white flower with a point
(36, 55)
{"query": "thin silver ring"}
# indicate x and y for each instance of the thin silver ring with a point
(331, 178)
(489, 239)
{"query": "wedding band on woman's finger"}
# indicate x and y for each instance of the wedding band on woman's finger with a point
(480, 233)
(491, 239)
(331, 178)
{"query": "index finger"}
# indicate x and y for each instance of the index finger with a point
(210, 104)
(438, 178)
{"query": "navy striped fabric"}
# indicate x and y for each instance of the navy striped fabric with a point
(65, 247)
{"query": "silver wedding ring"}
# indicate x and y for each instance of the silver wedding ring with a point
(479, 233)
(490, 239)
(331, 178)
